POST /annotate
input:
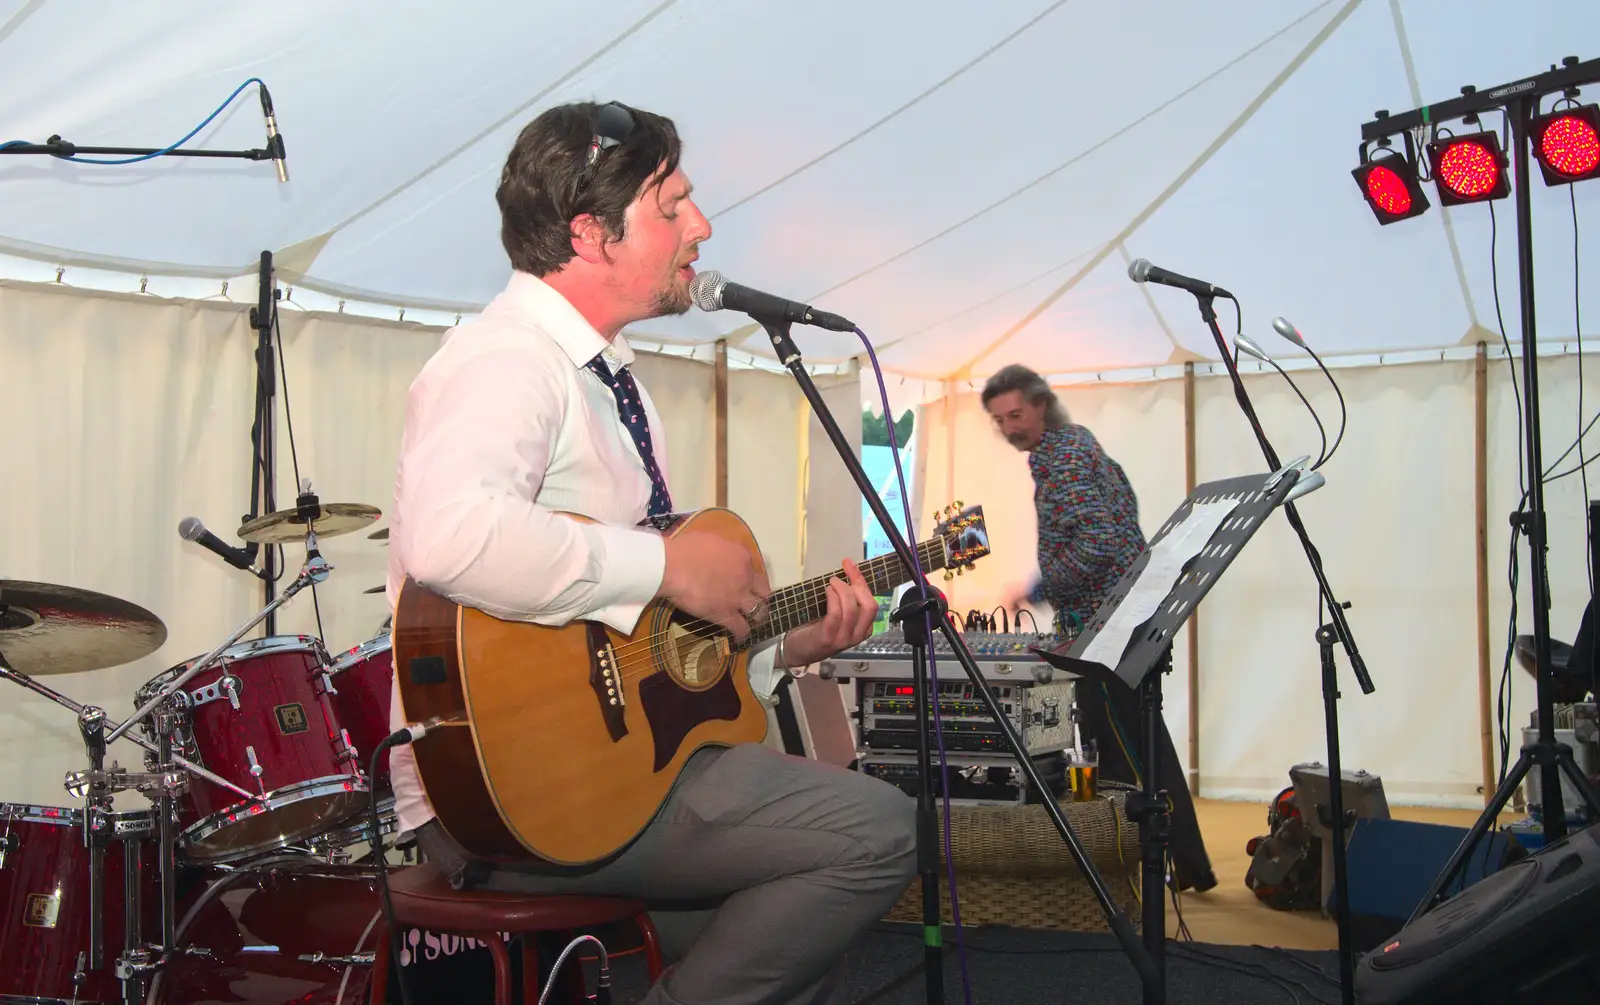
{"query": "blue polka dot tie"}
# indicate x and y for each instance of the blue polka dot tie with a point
(631, 410)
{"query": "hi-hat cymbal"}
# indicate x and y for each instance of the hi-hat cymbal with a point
(379, 535)
(376, 589)
(287, 525)
(49, 629)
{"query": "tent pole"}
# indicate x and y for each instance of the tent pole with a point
(720, 421)
(1194, 619)
(1480, 403)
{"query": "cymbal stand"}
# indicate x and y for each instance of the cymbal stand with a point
(315, 570)
(96, 804)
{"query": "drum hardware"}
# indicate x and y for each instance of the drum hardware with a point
(315, 570)
(17, 677)
(352, 960)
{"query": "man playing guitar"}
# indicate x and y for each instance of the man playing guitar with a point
(530, 411)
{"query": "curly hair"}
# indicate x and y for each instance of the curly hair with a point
(546, 182)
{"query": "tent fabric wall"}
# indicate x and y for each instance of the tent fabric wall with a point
(125, 413)
(1395, 526)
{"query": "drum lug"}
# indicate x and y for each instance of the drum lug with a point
(347, 748)
(80, 975)
(327, 683)
(8, 843)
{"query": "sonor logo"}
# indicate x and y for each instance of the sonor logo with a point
(40, 910)
(420, 945)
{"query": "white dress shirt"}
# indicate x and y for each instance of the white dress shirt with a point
(504, 426)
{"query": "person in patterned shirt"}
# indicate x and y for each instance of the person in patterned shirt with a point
(1088, 514)
(1089, 536)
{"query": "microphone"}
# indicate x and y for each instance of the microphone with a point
(711, 292)
(1283, 327)
(274, 141)
(1141, 271)
(191, 529)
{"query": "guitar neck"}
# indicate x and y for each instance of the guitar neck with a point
(806, 602)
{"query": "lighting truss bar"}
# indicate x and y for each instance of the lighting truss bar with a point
(1553, 82)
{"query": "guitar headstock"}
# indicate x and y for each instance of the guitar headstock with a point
(964, 535)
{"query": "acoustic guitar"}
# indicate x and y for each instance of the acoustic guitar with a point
(562, 743)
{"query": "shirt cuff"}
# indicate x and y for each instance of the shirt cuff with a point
(765, 674)
(632, 563)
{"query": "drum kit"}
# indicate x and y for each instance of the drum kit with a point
(243, 880)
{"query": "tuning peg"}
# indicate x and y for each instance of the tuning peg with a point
(948, 575)
(960, 569)
(960, 505)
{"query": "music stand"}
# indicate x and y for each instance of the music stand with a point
(1128, 642)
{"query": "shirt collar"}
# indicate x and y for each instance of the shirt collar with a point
(532, 298)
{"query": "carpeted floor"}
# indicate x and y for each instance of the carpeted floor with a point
(1015, 967)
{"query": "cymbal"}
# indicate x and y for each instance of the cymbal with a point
(50, 629)
(376, 589)
(286, 525)
(379, 535)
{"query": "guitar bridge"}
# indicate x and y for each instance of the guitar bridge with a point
(605, 677)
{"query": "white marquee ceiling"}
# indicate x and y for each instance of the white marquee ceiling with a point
(966, 182)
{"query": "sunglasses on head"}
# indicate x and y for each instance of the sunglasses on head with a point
(612, 126)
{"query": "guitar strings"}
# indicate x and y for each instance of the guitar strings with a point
(796, 598)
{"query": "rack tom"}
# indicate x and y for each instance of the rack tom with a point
(260, 717)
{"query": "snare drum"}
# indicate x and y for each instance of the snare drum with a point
(261, 718)
(44, 902)
(363, 682)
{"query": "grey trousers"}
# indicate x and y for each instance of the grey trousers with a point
(760, 870)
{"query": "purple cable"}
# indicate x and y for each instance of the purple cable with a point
(933, 670)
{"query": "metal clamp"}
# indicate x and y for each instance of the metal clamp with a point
(227, 686)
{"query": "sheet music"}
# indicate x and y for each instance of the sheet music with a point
(1167, 559)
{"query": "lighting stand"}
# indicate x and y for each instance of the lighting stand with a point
(1340, 629)
(1550, 757)
(929, 606)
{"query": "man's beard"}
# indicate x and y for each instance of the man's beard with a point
(1019, 441)
(672, 298)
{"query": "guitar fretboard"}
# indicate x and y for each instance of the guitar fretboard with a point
(805, 602)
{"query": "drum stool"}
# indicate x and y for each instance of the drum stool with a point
(423, 898)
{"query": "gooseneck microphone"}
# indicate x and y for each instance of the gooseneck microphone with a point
(191, 529)
(1141, 271)
(1282, 326)
(710, 291)
(1247, 345)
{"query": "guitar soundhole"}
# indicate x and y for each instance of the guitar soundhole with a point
(693, 653)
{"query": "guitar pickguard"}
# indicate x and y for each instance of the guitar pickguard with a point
(673, 711)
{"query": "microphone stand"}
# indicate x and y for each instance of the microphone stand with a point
(917, 618)
(1337, 629)
(55, 146)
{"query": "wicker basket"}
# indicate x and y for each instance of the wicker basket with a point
(1012, 868)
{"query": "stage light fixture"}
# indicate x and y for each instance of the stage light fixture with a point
(1567, 144)
(1390, 186)
(1470, 168)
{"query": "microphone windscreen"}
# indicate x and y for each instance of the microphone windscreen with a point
(1139, 269)
(705, 289)
(191, 528)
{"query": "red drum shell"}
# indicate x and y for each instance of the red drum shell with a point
(284, 739)
(363, 678)
(44, 901)
(259, 923)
